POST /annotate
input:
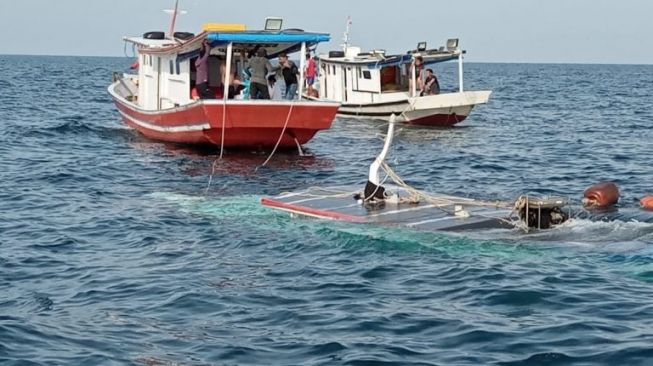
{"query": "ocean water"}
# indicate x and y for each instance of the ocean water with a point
(116, 250)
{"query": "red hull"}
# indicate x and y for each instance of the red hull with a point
(246, 123)
(438, 120)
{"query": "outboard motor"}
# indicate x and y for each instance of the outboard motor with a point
(541, 213)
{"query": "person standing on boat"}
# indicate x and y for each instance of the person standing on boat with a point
(311, 69)
(420, 76)
(289, 71)
(202, 72)
(259, 67)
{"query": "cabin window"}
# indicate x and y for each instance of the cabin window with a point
(172, 67)
(178, 71)
(359, 72)
(333, 69)
(367, 74)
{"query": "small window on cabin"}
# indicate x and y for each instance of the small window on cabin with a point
(178, 71)
(172, 67)
(333, 69)
(359, 72)
(367, 74)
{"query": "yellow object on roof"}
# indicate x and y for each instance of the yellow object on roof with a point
(223, 27)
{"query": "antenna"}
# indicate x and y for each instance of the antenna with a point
(346, 35)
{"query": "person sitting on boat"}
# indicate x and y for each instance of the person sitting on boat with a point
(289, 71)
(202, 72)
(259, 67)
(431, 84)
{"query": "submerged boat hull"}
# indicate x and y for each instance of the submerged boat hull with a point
(246, 123)
(338, 203)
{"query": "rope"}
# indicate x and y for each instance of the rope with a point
(438, 200)
(206, 191)
(219, 159)
(283, 130)
(224, 117)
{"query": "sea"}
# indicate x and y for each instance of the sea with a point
(119, 250)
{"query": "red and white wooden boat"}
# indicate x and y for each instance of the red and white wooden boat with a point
(158, 101)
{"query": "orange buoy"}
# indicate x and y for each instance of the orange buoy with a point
(602, 194)
(647, 202)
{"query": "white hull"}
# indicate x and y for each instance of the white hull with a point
(438, 110)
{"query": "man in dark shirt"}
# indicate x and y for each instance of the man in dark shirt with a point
(289, 71)
(431, 84)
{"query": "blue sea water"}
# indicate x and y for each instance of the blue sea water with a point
(115, 250)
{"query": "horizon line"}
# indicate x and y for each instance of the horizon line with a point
(467, 62)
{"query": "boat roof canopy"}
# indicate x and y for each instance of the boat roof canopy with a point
(376, 62)
(286, 36)
(285, 41)
(275, 42)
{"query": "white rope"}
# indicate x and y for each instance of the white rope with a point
(433, 199)
(224, 118)
(283, 130)
(211, 176)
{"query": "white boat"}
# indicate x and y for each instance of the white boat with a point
(376, 85)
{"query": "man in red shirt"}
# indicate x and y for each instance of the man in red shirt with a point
(311, 71)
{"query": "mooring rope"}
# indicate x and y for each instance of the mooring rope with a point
(283, 130)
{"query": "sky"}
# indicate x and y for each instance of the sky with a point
(533, 31)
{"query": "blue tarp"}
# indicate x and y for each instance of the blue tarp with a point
(398, 60)
(268, 37)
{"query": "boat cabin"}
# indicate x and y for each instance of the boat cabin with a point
(166, 66)
(355, 77)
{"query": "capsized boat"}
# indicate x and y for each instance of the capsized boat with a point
(376, 85)
(399, 204)
(402, 205)
(158, 101)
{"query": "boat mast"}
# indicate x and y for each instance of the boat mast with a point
(345, 38)
(174, 19)
(374, 167)
(460, 70)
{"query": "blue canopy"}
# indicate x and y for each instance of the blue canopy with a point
(395, 60)
(268, 37)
